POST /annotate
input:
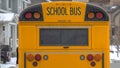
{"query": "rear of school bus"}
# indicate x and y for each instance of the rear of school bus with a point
(63, 35)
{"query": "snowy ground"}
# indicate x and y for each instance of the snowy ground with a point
(114, 60)
(113, 56)
(11, 64)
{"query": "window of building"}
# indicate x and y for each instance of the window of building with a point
(9, 4)
(0, 3)
(24, 5)
(3, 28)
(27, 1)
(113, 31)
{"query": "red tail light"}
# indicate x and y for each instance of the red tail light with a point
(99, 15)
(28, 15)
(93, 63)
(35, 63)
(38, 57)
(90, 57)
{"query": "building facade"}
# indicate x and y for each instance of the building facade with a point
(9, 12)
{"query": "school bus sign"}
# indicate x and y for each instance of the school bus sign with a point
(51, 11)
(60, 11)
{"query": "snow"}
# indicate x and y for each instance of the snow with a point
(11, 64)
(113, 56)
(6, 16)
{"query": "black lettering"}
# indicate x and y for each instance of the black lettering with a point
(52, 11)
(65, 11)
(61, 11)
(48, 11)
(56, 11)
(71, 11)
(75, 11)
(79, 11)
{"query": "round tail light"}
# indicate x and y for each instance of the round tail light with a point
(97, 57)
(99, 15)
(82, 57)
(90, 57)
(93, 63)
(36, 15)
(30, 57)
(38, 57)
(28, 15)
(91, 15)
(35, 63)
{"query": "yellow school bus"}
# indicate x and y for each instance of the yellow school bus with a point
(64, 35)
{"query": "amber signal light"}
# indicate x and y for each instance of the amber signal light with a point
(30, 57)
(91, 15)
(36, 15)
(97, 57)
(30, 15)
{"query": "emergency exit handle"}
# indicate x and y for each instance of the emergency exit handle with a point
(65, 47)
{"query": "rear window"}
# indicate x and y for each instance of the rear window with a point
(62, 37)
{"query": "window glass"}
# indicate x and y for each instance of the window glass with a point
(10, 4)
(62, 37)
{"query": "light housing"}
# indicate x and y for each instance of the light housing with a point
(45, 57)
(30, 57)
(90, 57)
(82, 57)
(28, 15)
(35, 64)
(99, 15)
(91, 15)
(93, 64)
(36, 15)
(97, 57)
(38, 57)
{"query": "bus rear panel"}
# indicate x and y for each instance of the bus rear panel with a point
(64, 35)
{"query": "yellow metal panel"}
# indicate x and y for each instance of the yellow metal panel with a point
(64, 60)
(64, 11)
(100, 37)
(58, 57)
(21, 58)
(27, 37)
(107, 58)
(97, 31)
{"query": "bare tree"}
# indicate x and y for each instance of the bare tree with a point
(116, 37)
